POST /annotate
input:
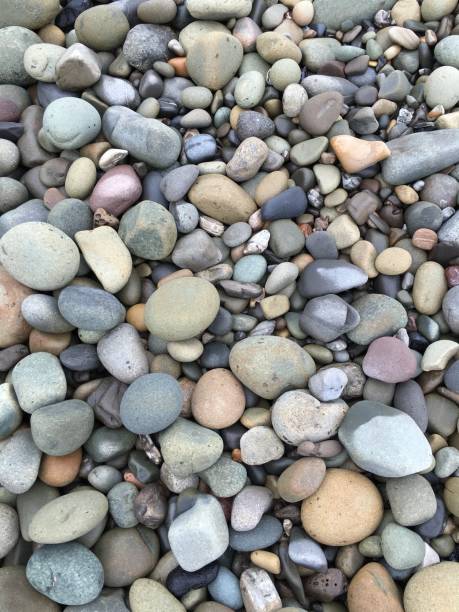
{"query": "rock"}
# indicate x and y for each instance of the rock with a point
(401, 547)
(328, 384)
(249, 91)
(325, 276)
(146, 139)
(15, 328)
(258, 591)
(436, 10)
(60, 428)
(189, 448)
(320, 112)
(265, 534)
(39, 255)
(89, 308)
(224, 589)
(151, 403)
(182, 308)
(176, 184)
(221, 198)
(71, 216)
(380, 315)
(218, 399)
(196, 251)
(10, 411)
(116, 190)
(267, 365)
(127, 554)
(220, 11)
(122, 353)
(17, 594)
(38, 380)
(446, 51)
(62, 133)
(435, 90)
(107, 256)
(355, 154)
(121, 500)
(69, 574)
(395, 87)
(14, 41)
(429, 287)
(110, 600)
(432, 587)
(146, 44)
(248, 507)
(68, 517)
(373, 587)
(390, 360)
(40, 61)
(409, 398)
(340, 494)
(89, 31)
(260, 445)
(301, 479)
(143, 591)
(9, 529)
(327, 317)
(247, 159)
(289, 203)
(376, 452)
(417, 155)
(411, 499)
(214, 59)
(325, 11)
(438, 354)
(199, 535)
(19, 451)
(148, 230)
(77, 69)
(28, 13)
(305, 552)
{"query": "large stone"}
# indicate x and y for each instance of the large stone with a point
(384, 440)
(14, 40)
(433, 588)
(146, 139)
(16, 593)
(325, 11)
(148, 230)
(325, 276)
(199, 535)
(269, 365)
(418, 155)
(373, 588)
(144, 592)
(20, 451)
(214, 59)
(380, 315)
(221, 198)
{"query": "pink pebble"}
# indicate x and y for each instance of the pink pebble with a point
(116, 190)
(389, 360)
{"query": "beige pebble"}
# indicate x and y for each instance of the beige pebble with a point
(434, 588)
(107, 256)
(81, 178)
(345, 231)
(136, 317)
(275, 306)
(393, 261)
(438, 354)
(185, 351)
(111, 158)
(266, 560)
(437, 442)
(404, 10)
(406, 194)
(356, 154)
(49, 343)
(52, 35)
(303, 12)
(255, 416)
(218, 399)
(271, 185)
(165, 365)
(429, 287)
(363, 254)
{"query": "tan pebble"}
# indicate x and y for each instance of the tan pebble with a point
(219, 197)
(438, 354)
(49, 343)
(266, 560)
(302, 260)
(184, 273)
(13, 327)
(384, 107)
(392, 52)
(437, 442)
(393, 261)
(271, 185)
(406, 194)
(301, 479)
(424, 238)
(234, 116)
(355, 154)
(303, 12)
(434, 588)
(135, 316)
(95, 150)
(185, 351)
(450, 120)
(344, 231)
(404, 10)
(335, 198)
(52, 35)
(165, 364)
(218, 400)
(275, 306)
(84, 390)
(363, 254)
(404, 37)
(429, 287)
(187, 387)
(346, 508)
(255, 416)
(373, 589)
(60, 471)
(81, 178)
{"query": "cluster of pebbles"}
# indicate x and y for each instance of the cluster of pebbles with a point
(229, 305)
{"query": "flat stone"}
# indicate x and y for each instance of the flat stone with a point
(199, 535)
(221, 198)
(320, 112)
(146, 44)
(220, 11)
(38, 380)
(446, 51)
(289, 203)
(258, 591)
(268, 365)
(450, 308)
(329, 276)
(384, 440)
(325, 11)
(305, 552)
(265, 534)
(390, 360)
(89, 308)
(176, 184)
(214, 59)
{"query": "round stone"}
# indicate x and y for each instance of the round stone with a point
(68, 517)
(352, 497)
(442, 87)
(102, 28)
(411, 499)
(182, 308)
(39, 255)
(122, 353)
(38, 380)
(301, 479)
(260, 445)
(380, 315)
(14, 41)
(148, 230)
(116, 190)
(268, 365)
(389, 360)
(90, 308)
(393, 261)
(68, 574)
(151, 403)
(372, 587)
(65, 134)
(214, 59)
(402, 548)
(433, 587)
(218, 399)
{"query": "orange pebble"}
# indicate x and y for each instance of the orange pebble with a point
(135, 316)
(53, 35)
(49, 343)
(60, 471)
(179, 65)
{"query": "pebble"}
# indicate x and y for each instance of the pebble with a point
(325, 276)
(411, 500)
(267, 365)
(151, 403)
(305, 552)
(221, 198)
(397, 365)
(339, 494)
(360, 424)
(81, 576)
(17, 594)
(121, 352)
(373, 586)
(218, 399)
(249, 506)
(143, 591)
(301, 479)
(87, 308)
(260, 445)
(401, 547)
(328, 384)
(38, 380)
(116, 190)
(380, 315)
(10, 529)
(432, 586)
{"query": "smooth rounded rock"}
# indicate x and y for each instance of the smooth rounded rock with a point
(431, 587)
(38, 380)
(218, 399)
(213, 59)
(16, 593)
(90, 308)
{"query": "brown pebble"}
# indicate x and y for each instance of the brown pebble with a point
(424, 238)
(52, 35)
(452, 275)
(301, 479)
(49, 343)
(14, 328)
(135, 316)
(372, 588)
(179, 65)
(218, 399)
(266, 560)
(356, 154)
(60, 471)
